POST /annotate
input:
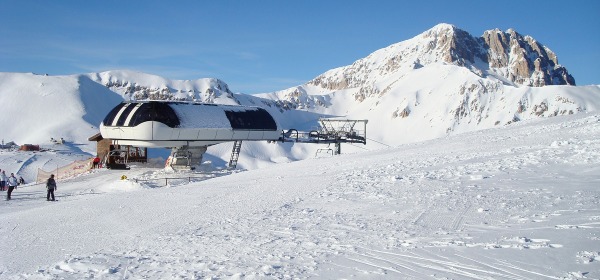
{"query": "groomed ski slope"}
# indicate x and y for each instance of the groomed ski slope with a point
(518, 202)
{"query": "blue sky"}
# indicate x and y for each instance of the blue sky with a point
(262, 46)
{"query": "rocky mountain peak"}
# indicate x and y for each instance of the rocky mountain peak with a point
(523, 60)
(508, 56)
(455, 45)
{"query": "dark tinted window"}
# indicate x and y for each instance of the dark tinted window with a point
(125, 113)
(251, 119)
(112, 114)
(155, 111)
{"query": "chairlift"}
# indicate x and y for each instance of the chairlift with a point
(323, 152)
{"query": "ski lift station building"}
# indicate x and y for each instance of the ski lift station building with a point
(187, 128)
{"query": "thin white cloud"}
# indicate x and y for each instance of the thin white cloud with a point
(247, 55)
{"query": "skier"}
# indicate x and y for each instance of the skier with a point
(51, 186)
(12, 184)
(3, 181)
(96, 162)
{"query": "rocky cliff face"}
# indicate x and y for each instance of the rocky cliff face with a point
(519, 59)
(523, 60)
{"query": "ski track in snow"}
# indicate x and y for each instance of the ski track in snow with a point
(515, 203)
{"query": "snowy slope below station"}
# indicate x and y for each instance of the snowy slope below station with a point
(516, 202)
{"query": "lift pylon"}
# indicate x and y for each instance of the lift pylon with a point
(331, 131)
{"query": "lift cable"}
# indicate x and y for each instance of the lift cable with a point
(358, 146)
(380, 143)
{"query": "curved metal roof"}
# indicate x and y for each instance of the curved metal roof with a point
(190, 115)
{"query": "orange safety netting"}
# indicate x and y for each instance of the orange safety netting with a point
(67, 171)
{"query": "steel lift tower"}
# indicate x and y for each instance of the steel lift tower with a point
(331, 131)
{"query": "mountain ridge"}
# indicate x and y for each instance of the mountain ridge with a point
(140, 86)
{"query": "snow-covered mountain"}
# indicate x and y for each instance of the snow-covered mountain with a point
(36, 108)
(446, 81)
(507, 56)
(441, 82)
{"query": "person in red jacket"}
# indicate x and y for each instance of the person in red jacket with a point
(96, 162)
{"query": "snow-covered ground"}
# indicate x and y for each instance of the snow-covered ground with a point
(517, 202)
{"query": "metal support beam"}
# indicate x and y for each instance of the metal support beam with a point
(235, 154)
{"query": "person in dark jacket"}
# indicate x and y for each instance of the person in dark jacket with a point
(51, 186)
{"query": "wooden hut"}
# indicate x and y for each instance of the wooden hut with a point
(113, 155)
(29, 147)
